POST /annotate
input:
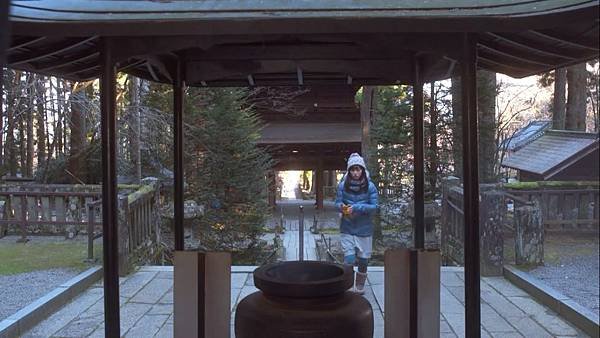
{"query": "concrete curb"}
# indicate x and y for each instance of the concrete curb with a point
(581, 317)
(32, 314)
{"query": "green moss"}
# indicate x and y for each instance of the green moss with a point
(129, 186)
(144, 189)
(551, 184)
(330, 231)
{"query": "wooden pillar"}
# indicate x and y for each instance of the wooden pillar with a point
(202, 294)
(110, 240)
(468, 67)
(366, 107)
(4, 36)
(178, 92)
(319, 185)
(418, 165)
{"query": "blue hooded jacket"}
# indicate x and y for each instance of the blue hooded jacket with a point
(364, 205)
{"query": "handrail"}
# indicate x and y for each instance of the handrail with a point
(301, 234)
(328, 248)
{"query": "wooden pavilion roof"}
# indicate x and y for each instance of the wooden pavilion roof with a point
(553, 152)
(275, 42)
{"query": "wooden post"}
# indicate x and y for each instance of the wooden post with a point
(447, 223)
(418, 164)
(90, 231)
(23, 220)
(110, 237)
(4, 36)
(468, 64)
(178, 150)
(202, 294)
(412, 293)
(319, 184)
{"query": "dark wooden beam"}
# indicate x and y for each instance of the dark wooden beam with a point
(419, 156)
(50, 51)
(178, 99)
(471, 186)
(110, 236)
(25, 42)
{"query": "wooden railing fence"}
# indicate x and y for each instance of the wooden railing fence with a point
(563, 209)
(60, 206)
(51, 205)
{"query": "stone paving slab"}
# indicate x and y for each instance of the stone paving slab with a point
(147, 311)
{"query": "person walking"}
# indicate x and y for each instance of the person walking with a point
(356, 199)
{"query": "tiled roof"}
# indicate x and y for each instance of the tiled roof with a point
(526, 135)
(553, 149)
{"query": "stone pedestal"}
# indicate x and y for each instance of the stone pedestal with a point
(529, 235)
(432, 213)
(202, 294)
(123, 226)
(491, 217)
(412, 293)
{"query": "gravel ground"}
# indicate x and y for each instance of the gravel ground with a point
(576, 277)
(17, 291)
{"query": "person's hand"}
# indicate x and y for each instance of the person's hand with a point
(349, 210)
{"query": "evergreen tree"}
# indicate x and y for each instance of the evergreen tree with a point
(231, 175)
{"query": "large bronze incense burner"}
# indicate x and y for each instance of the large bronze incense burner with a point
(304, 299)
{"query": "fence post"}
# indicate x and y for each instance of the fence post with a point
(529, 235)
(23, 221)
(123, 235)
(2, 218)
(446, 220)
(491, 215)
(90, 231)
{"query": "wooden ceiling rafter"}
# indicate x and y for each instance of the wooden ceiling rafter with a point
(50, 51)
(75, 59)
(529, 46)
(22, 44)
(563, 41)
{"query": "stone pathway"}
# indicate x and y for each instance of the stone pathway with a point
(291, 244)
(147, 307)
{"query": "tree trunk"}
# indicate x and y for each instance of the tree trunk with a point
(366, 108)
(40, 89)
(9, 146)
(77, 136)
(457, 127)
(432, 163)
(576, 100)
(5, 86)
(486, 102)
(558, 106)
(22, 141)
(135, 127)
(58, 135)
(29, 115)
